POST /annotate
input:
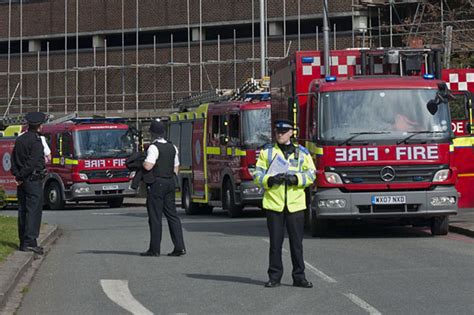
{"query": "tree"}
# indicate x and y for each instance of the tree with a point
(431, 23)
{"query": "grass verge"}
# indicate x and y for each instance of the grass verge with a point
(8, 236)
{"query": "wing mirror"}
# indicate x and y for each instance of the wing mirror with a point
(442, 96)
(432, 106)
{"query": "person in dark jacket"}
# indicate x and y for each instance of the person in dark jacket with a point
(162, 159)
(28, 167)
(135, 164)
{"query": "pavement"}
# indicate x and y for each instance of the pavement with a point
(13, 268)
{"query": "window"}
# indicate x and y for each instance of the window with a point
(214, 136)
(174, 134)
(65, 144)
(234, 129)
(186, 136)
(458, 107)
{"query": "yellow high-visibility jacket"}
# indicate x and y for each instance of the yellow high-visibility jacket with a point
(276, 197)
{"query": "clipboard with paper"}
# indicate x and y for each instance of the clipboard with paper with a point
(278, 166)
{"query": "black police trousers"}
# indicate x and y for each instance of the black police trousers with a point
(294, 222)
(161, 199)
(30, 208)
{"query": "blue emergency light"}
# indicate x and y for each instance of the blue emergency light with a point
(91, 120)
(331, 78)
(262, 96)
(307, 59)
(428, 76)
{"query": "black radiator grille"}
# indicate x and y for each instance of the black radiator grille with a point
(372, 174)
(106, 174)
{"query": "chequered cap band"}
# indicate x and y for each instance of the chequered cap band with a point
(283, 125)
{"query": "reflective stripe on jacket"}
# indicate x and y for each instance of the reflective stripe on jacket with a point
(301, 165)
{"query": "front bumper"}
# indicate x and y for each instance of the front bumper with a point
(249, 194)
(85, 191)
(358, 205)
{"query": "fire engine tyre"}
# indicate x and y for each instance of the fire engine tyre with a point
(440, 225)
(54, 196)
(115, 202)
(319, 227)
(189, 207)
(228, 201)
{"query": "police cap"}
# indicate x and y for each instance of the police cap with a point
(35, 118)
(283, 125)
(157, 127)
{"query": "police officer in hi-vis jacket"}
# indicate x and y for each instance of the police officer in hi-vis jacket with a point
(284, 201)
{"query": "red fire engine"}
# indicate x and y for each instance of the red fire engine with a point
(462, 80)
(381, 144)
(88, 161)
(7, 181)
(218, 137)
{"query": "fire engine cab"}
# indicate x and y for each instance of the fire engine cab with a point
(88, 160)
(379, 130)
(461, 82)
(218, 137)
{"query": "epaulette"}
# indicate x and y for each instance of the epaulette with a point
(268, 146)
(303, 149)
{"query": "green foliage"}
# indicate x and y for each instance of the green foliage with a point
(8, 236)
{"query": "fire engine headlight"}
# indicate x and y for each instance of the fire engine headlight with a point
(443, 201)
(252, 190)
(132, 174)
(441, 176)
(83, 176)
(82, 190)
(332, 203)
(333, 178)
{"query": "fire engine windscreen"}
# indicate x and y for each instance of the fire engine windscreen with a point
(256, 126)
(382, 115)
(103, 143)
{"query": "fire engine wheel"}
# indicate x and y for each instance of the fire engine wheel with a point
(54, 196)
(440, 225)
(115, 202)
(187, 204)
(228, 201)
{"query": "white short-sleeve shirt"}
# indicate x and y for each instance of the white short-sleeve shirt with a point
(46, 149)
(153, 153)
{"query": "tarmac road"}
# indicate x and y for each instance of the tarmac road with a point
(94, 268)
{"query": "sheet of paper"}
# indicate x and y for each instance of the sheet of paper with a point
(278, 166)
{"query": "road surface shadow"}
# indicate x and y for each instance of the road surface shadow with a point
(225, 278)
(372, 230)
(110, 252)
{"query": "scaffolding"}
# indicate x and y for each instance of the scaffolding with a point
(104, 80)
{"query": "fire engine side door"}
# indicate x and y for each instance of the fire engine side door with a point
(8, 185)
(213, 150)
(64, 161)
(463, 155)
(199, 162)
(233, 142)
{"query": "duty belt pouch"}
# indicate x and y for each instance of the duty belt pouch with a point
(37, 175)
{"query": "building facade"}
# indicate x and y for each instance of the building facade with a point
(133, 57)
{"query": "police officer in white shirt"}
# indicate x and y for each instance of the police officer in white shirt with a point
(46, 150)
(162, 159)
